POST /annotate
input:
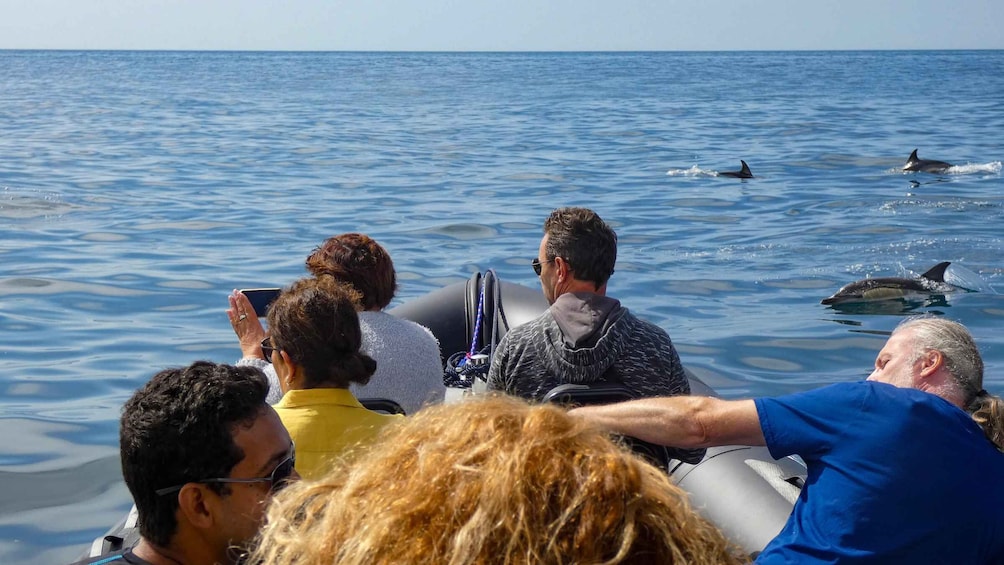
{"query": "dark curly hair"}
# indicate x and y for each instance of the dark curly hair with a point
(315, 322)
(360, 261)
(584, 241)
(179, 429)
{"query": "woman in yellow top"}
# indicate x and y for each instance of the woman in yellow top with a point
(313, 343)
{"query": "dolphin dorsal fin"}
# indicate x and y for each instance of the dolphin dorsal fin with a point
(937, 272)
(746, 168)
(913, 156)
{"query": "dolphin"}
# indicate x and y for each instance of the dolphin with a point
(924, 165)
(885, 288)
(743, 173)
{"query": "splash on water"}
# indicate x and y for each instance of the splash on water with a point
(694, 171)
(957, 275)
(991, 168)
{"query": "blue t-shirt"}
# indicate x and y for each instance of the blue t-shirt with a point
(894, 476)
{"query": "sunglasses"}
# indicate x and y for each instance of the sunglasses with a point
(279, 477)
(267, 348)
(536, 263)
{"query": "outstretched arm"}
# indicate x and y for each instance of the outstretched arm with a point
(680, 421)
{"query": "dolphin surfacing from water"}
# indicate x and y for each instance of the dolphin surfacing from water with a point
(915, 164)
(743, 173)
(885, 288)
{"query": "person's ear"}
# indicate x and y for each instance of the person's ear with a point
(561, 269)
(292, 369)
(931, 361)
(196, 505)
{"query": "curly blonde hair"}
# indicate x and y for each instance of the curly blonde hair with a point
(490, 480)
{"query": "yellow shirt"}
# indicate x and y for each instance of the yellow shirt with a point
(325, 422)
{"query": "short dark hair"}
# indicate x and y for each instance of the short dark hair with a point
(584, 240)
(179, 429)
(315, 322)
(357, 259)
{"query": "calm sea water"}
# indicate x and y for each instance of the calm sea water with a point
(138, 188)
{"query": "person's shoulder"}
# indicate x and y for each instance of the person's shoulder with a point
(546, 318)
(885, 391)
(124, 557)
(854, 394)
(385, 322)
(871, 391)
(627, 317)
(641, 330)
(915, 400)
(529, 329)
(379, 319)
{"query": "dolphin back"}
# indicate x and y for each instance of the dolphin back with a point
(743, 173)
(882, 288)
(937, 272)
(914, 163)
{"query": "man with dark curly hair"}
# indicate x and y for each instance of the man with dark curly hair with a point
(202, 453)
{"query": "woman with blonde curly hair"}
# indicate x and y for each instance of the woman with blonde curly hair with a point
(490, 480)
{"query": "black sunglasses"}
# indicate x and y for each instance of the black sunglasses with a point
(279, 477)
(267, 348)
(536, 263)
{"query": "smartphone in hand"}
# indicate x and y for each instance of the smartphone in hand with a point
(261, 298)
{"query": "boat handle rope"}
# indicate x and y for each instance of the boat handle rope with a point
(464, 367)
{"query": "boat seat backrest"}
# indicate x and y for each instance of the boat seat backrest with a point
(587, 394)
(383, 405)
(608, 393)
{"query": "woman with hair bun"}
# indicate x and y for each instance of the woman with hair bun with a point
(313, 342)
(409, 364)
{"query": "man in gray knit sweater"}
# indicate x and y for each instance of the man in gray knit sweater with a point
(585, 336)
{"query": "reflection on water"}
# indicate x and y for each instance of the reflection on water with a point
(19, 204)
(27, 491)
(68, 481)
(464, 231)
(890, 306)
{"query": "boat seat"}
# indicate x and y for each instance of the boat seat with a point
(126, 535)
(583, 394)
(382, 405)
(569, 395)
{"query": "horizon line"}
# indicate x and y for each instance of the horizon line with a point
(490, 51)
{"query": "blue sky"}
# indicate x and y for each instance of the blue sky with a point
(501, 25)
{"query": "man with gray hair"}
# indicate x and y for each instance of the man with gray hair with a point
(904, 467)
